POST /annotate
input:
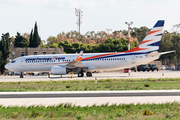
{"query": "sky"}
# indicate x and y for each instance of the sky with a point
(56, 16)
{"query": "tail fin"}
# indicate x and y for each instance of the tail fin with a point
(152, 40)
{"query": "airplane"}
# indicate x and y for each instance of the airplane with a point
(61, 64)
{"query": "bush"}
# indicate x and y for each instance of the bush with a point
(68, 86)
(108, 86)
(79, 116)
(148, 112)
(170, 115)
(147, 85)
(35, 114)
(109, 80)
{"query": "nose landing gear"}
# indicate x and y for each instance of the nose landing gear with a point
(21, 75)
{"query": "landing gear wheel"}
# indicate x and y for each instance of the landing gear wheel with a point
(80, 74)
(48, 75)
(89, 74)
(21, 75)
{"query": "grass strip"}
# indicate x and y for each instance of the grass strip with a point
(104, 111)
(89, 85)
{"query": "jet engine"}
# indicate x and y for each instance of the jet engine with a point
(58, 70)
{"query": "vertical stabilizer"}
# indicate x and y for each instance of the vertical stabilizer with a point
(152, 40)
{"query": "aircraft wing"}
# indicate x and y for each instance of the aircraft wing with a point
(77, 63)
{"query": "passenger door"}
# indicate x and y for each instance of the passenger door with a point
(22, 64)
(133, 59)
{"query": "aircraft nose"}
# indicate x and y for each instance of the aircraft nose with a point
(7, 66)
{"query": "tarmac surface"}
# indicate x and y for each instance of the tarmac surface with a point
(83, 98)
(89, 94)
(111, 75)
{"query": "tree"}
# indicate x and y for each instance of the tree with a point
(44, 46)
(140, 33)
(1, 59)
(4, 48)
(54, 45)
(12, 40)
(51, 40)
(31, 39)
(21, 41)
(35, 39)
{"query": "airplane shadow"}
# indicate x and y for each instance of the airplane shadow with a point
(100, 77)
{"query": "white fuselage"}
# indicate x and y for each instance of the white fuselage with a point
(101, 61)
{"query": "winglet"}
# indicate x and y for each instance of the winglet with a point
(79, 58)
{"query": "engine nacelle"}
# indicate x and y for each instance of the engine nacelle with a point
(58, 70)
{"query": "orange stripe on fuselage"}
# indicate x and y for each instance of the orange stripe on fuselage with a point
(101, 55)
(136, 49)
(132, 50)
(151, 32)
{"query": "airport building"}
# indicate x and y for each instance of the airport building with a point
(18, 52)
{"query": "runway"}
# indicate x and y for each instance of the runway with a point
(88, 94)
(84, 98)
(90, 98)
(108, 75)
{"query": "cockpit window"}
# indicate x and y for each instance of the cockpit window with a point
(13, 61)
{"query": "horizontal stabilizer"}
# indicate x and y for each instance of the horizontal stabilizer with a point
(155, 53)
(162, 53)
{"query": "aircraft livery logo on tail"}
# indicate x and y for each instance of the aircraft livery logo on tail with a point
(152, 41)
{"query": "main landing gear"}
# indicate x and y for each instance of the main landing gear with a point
(81, 74)
(89, 74)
